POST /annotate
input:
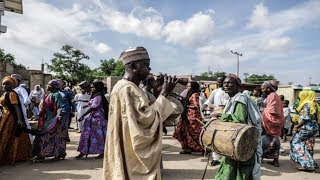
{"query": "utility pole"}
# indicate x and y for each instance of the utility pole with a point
(310, 81)
(238, 54)
(3, 29)
(245, 77)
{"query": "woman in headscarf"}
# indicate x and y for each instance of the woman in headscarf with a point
(272, 122)
(302, 143)
(189, 126)
(51, 142)
(93, 134)
(36, 93)
(240, 109)
(14, 141)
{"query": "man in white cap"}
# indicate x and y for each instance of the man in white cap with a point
(24, 100)
(133, 147)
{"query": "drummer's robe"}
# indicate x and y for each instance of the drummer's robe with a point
(134, 134)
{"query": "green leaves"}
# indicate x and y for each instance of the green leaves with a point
(67, 65)
(259, 79)
(10, 59)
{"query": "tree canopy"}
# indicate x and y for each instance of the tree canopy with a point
(112, 67)
(259, 79)
(214, 75)
(67, 65)
(10, 59)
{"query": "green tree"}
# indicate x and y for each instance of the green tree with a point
(218, 74)
(259, 79)
(68, 67)
(214, 75)
(10, 59)
(111, 67)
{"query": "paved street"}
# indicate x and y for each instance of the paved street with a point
(176, 166)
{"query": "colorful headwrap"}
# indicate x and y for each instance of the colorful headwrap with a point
(134, 54)
(54, 83)
(11, 80)
(272, 84)
(84, 84)
(307, 96)
(16, 76)
(235, 77)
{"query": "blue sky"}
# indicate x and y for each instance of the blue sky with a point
(182, 37)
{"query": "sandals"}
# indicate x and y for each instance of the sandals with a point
(185, 152)
(59, 157)
(307, 169)
(80, 156)
(36, 160)
(100, 156)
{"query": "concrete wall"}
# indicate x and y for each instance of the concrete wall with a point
(29, 77)
(288, 92)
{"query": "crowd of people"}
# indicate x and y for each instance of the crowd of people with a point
(128, 132)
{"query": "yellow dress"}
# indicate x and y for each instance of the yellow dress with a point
(12, 148)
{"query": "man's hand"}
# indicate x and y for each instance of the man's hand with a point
(168, 85)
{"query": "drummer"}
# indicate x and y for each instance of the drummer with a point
(217, 98)
(240, 109)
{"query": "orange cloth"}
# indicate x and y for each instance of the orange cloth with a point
(12, 148)
(272, 115)
(13, 81)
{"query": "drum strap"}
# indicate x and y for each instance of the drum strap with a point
(211, 143)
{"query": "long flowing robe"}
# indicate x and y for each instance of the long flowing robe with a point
(134, 135)
(14, 144)
(302, 143)
(93, 135)
(272, 116)
(189, 128)
(241, 109)
(53, 142)
(79, 99)
(272, 123)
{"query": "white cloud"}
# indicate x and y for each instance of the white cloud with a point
(44, 28)
(259, 18)
(102, 48)
(141, 22)
(196, 31)
(285, 20)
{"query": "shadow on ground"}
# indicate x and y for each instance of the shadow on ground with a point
(52, 170)
(176, 174)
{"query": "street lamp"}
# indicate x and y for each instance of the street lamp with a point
(238, 54)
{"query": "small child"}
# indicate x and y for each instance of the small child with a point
(287, 120)
(35, 109)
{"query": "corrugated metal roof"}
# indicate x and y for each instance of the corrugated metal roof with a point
(314, 88)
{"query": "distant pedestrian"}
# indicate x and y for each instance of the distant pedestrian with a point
(93, 134)
(82, 100)
(272, 122)
(302, 143)
(52, 141)
(189, 126)
(287, 119)
(24, 100)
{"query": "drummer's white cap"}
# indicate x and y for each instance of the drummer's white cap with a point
(134, 54)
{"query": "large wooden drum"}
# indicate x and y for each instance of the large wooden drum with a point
(234, 140)
(177, 109)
